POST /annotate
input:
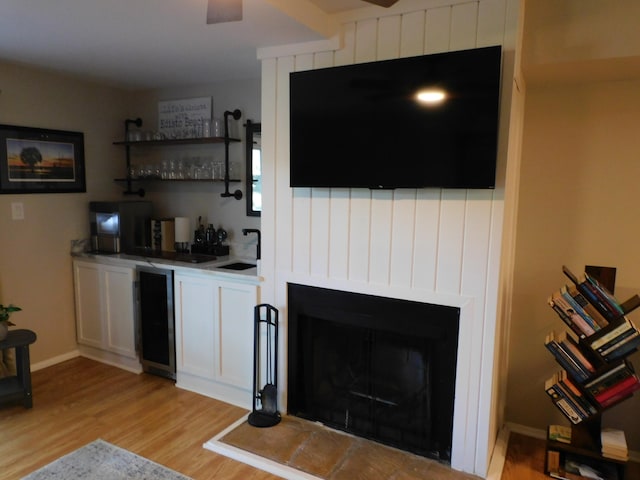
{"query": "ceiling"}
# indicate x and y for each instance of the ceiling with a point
(139, 44)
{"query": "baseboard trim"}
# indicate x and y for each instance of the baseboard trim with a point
(125, 363)
(102, 357)
(528, 431)
(499, 454)
(54, 360)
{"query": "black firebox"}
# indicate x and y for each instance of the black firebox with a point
(377, 367)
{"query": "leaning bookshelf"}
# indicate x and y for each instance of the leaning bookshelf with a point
(595, 375)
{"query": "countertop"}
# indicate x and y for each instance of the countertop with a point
(205, 268)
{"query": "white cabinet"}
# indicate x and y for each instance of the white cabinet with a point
(214, 336)
(105, 307)
(89, 301)
(195, 310)
(235, 327)
(213, 324)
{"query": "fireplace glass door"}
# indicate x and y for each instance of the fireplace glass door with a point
(378, 371)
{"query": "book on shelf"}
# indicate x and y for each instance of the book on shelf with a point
(591, 284)
(560, 401)
(617, 341)
(568, 410)
(570, 346)
(608, 378)
(559, 385)
(613, 385)
(561, 352)
(597, 294)
(624, 345)
(578, 308)
(587, 306)
(560, 433)
(553, 462)
(569, 315)
(624, 330)
(565, 401)
(566, 317)
(576, 394)
(614, 444)
(618, 391)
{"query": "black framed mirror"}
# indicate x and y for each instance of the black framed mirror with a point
(253, 142)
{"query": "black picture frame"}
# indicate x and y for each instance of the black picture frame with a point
(37, 160)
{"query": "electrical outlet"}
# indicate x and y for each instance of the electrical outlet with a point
(17, 211)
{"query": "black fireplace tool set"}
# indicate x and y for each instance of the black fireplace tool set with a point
(265, 367)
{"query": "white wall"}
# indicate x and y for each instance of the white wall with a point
(439, 246)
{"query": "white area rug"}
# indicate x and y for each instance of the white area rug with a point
(100, 460)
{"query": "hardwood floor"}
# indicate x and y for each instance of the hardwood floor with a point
(80, 400)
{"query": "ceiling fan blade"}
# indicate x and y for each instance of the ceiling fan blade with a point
(382, 3)
(220, 11)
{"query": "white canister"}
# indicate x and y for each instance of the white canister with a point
(182, 229)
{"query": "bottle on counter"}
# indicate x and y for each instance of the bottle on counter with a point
(199, 236)
(210, 235)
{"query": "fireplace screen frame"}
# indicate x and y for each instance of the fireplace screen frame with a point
(431, 333)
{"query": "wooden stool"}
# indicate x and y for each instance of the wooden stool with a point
(18, 387)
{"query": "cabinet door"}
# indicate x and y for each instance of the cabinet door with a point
(119, 308)
(195, 305)
(88, 291)
(235, 347)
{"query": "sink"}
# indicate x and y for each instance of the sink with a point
(238, 266)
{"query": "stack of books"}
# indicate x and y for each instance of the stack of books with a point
(617, 342)
(615, 384)
(614, 444)
(566, 351)
(573, 314)
(597, 295)
(568, 398)
(594, 314)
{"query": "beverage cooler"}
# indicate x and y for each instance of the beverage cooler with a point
(156, 321)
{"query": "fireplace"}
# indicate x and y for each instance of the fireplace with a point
(377, 367)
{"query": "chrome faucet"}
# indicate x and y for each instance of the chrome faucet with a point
(246, 231)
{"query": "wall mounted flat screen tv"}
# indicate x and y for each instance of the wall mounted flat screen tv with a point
(362, 126)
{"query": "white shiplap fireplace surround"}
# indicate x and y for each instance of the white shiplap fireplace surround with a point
(430, 245)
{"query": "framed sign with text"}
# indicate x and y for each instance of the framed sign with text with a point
(183, 118)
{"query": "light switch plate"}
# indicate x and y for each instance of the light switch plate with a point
(17, 211)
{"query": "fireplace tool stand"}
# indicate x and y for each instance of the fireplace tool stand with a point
(265, 365)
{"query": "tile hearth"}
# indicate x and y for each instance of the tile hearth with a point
(330, 455)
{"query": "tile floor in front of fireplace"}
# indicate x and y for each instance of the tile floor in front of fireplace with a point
(333, 455)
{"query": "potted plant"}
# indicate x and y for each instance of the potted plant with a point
(5, 313)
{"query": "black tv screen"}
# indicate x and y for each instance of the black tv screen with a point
(362, 126)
